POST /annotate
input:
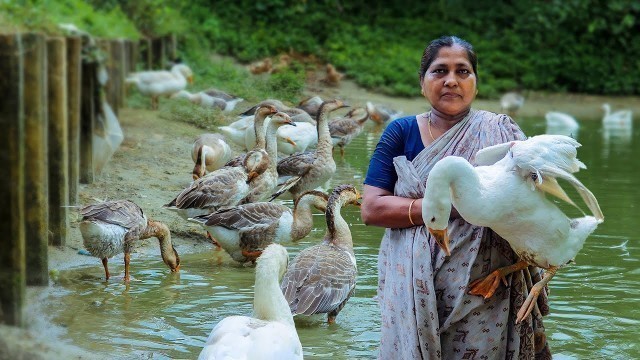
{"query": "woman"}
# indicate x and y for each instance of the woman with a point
(426, 311)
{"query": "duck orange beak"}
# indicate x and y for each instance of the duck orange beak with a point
(190, 79)
(442, 238)
(287, 139)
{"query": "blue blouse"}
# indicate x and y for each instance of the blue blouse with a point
(401, 137)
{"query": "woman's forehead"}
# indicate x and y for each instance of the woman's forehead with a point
(452, 55)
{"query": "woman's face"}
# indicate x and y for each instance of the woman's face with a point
(449, 83)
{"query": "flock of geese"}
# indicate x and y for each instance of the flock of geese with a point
(283, 150)
(290, 150)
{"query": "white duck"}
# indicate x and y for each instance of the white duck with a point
(621, 119)
(205, 100)
(111, 227)
(509, 197)
(559, 123)
(209, 152)
(511, 102)
(161, 82)
(224, 187)
(322, 278)
(297, 139)
(270, 334)
(243, 231)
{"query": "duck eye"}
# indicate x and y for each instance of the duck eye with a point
(433, 218)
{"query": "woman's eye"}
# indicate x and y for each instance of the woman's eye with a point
(439, 71)
(464, 71)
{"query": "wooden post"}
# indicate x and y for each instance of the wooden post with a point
(146, 54)
(134, 55)
(58, 142)
(116, 71)
(74, 83)
(87, 119)
(157, 51)
(36, 166)
(171, 48)
(12, 241)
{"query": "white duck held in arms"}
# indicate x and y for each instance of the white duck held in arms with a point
(110, 228)
(271, 332)
(506, 192)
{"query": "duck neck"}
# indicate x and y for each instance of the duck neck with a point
(161, 231)
(269, 303)
(337, 228)
(302, 219)
(325, 144)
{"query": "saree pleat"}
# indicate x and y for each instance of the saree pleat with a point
(426, 311)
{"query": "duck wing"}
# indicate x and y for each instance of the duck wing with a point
(319, 280)
(124, 213)
(552, 157)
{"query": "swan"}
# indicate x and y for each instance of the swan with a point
(203, 99)
(111, 227)
(161, 82)
(508, 195)
(621, 119)
(322, 277)
(511, 102)
(270, 333)
(559, 123)
(305, 171)
(243, 231)
(209, 152)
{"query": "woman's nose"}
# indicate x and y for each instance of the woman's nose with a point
(450, 80)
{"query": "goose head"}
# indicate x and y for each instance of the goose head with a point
(274, 256)
(256, 163)
(607, 109)
(345, 194)
(315, 198)
(184, 70)
(436, 204)
(329, 106)
(281, 118)
(168, 252)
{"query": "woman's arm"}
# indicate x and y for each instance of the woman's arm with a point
(381, 208)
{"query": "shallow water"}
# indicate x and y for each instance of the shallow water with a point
(166, 316)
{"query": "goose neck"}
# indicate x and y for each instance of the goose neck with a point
(337, 228)
(269, 303)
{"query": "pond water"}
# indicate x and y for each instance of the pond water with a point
(594, 312)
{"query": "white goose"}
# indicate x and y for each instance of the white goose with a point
(621, 119)
(161, 82)
(511, 102)
(243, 231)
(271, 333)
(322, 278)
(509, 197)
(559, 123)
(111, 227)
(205, 100)
(209, 152)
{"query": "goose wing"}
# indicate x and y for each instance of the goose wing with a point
(319, 280)
(213, 190)
(118, 212)
(296, 164)
(247, 216)
(552, 157)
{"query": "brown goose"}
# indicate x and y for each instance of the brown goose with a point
(209, 152)
(221, 188)
(305, 171)
(311, 105)
(245, 230)
(111, 227)
(322, 278)
(346, 128)
(297, 115)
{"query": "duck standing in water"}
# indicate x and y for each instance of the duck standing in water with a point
(322, 278)
(111, 227)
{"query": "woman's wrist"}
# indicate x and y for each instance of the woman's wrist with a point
(409, 212)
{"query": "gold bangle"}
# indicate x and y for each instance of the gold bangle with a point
(410, 206)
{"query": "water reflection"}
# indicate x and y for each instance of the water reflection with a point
(164, 316)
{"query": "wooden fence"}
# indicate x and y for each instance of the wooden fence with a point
(50, 97)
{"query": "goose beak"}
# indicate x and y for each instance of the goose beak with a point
(176, 269)
(290, 141)
(356, 202)
(442, 238)
(252, 175)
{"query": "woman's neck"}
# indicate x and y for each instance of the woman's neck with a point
(445, 120)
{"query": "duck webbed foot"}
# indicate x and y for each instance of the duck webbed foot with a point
(530, 302)
(487, 287)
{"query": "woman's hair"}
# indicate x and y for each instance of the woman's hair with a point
(431, 51)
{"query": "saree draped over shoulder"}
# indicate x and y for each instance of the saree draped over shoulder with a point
(426, 311)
